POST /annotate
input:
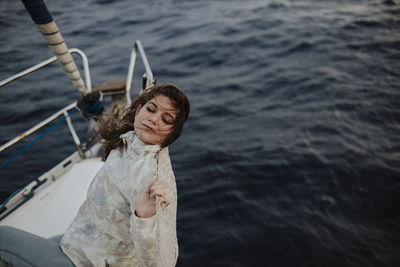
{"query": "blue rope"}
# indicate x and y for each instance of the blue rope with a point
(39, 137)
(96, 108)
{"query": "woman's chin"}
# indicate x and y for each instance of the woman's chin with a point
(149, 139)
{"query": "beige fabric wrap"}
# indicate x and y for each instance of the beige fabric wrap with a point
(167, 246)
(57, 45)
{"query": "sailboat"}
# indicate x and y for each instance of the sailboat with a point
(47, 205)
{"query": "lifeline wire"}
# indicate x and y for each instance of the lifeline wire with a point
(39, 137)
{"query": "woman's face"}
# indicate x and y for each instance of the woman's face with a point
(155, 120)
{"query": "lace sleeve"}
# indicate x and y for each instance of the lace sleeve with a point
(167, 245)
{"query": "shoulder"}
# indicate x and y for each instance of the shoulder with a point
(116, 153)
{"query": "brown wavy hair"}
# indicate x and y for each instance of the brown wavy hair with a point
(111, 128)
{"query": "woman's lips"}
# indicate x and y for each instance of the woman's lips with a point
(148, 127)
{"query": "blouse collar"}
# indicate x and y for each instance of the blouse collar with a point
(136, 145)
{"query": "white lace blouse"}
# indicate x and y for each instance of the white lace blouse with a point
(106, 231)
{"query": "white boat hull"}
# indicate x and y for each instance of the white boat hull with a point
(55, 203)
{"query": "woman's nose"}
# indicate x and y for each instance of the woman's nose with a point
(154, 119)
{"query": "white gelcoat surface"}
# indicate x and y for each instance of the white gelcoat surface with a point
(51, 210)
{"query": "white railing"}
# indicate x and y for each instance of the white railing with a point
(63, 111)
(43, 123)
(148, 75)
(51, 60)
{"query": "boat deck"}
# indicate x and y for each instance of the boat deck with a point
(51, 209)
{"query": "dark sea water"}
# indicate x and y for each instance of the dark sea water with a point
(291, 156)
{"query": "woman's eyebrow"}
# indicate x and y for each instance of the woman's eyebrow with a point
(150, 102)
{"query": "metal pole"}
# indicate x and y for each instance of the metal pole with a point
(50, 60)
(74, 135)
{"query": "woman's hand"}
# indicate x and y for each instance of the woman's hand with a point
(146, 201)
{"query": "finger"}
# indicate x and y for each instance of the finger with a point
(156, 185)
(148, 189)
(164, 202)
(157, 192)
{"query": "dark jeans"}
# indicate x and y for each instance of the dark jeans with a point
(20, 248)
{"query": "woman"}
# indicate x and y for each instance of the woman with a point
(129, 216)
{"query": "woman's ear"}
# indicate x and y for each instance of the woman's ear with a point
(138, 108)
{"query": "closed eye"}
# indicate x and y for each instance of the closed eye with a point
(150, 110)
(167, 117)
(168, 120)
